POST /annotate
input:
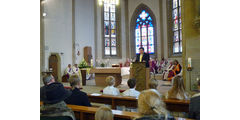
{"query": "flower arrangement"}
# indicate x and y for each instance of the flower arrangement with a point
(83, 64)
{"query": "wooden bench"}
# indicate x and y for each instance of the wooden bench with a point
(88, 113)
(171, 104)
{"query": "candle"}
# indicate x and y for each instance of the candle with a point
(91, 63)
(189, 62)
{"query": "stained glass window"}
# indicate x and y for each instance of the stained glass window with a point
(110, 27)
(177, 27)
(144, 32)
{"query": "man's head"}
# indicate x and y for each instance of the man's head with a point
(69, 65)
(48, 79)
(76, 65)
(175, 62)
(141, 50)
(110, 80)
(162, 58)
(131, 83)
(74, 81)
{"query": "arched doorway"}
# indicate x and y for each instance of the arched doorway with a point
(55, 66)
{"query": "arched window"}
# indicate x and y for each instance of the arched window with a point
(177, 27)
(110, 28)
(144, 32)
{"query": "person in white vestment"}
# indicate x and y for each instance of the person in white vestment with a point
(110, 89)
(68, 71)
(76, 71)
(165, 73)
(131, 91)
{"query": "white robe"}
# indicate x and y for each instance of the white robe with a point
(68, 71)
(167, 71)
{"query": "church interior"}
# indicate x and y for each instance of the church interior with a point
(95, 39)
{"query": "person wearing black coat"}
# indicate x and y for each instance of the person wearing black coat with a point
(78, 97)
(143, 57)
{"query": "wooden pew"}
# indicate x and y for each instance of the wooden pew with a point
(88, 113)
(171, 104)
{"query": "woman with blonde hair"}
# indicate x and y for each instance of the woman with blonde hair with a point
(151, 106)
(104, 113)
(178, 89)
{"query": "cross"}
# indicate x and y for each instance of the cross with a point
(143, 15)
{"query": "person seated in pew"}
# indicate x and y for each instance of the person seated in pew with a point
(76, 71)
(47, 80)
(53, 104)
(110, 89)
(131, 91)
(151, 106)
(178, 89)
(174, 71)
(104, 113)
(194, 106)
(78, 97)
(153, 84)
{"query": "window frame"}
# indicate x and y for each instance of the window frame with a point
(147, 35)
(132, 39)
(117, 29)
(171, 29)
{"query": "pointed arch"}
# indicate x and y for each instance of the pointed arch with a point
(142, 7)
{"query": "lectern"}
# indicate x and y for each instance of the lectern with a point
(141, 74)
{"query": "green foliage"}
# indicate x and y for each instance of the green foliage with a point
(83, 64)
(102, 64)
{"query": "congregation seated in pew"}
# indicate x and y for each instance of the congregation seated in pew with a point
(110, 89)
(131, 91)
(151, 106)
(54, 105)
(177, 90)
(77, 97)
(104, 113)
(194, 107)
(47, 80)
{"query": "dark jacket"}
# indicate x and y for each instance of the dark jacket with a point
(145, 58)
(78, 98)
(42, 93)
(194, 108)
(56, 110)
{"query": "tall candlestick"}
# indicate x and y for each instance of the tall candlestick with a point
(189, 62)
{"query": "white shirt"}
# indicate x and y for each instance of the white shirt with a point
(131, 92)
(110, 90)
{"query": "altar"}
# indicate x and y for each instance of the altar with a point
(102, 72)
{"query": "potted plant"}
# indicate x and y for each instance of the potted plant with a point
(83, 64)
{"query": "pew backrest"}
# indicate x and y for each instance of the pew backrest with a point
(88, 113)
(171, 104)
